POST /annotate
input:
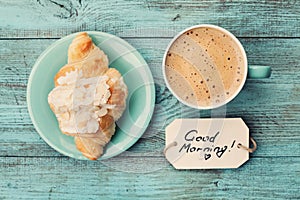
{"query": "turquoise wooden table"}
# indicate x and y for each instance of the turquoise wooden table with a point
(270, 32)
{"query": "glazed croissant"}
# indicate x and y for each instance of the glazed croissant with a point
(88, 97)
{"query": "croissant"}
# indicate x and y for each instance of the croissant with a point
(88, 97)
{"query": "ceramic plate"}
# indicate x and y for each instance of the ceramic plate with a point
(136, 74)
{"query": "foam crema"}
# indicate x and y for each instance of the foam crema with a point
(205, 67)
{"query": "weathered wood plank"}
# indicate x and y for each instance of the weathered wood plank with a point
(49, 18)
(18, 56)
(123, 178)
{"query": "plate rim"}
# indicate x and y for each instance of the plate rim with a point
(29, 87)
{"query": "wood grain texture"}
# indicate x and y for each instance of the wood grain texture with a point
(18, 56)
(270, 106)
(270, 118)
(147, 18)
(64, 178)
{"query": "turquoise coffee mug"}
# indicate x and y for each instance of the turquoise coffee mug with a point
(251, 71)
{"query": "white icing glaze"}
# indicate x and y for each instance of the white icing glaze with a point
(122, 84)
(70, 78)
(79, 102)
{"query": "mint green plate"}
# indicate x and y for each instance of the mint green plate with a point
(136, 74)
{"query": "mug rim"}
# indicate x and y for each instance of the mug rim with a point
(236, 42)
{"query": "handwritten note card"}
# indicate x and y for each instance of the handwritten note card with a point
(207, 143)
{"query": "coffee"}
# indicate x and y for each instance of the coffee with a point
(205, 66)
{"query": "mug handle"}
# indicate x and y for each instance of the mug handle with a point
(259, 71)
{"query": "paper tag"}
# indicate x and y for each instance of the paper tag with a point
(207, 143)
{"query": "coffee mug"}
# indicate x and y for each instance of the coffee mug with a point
(205, 67)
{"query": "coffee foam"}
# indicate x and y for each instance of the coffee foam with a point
(204, 67)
